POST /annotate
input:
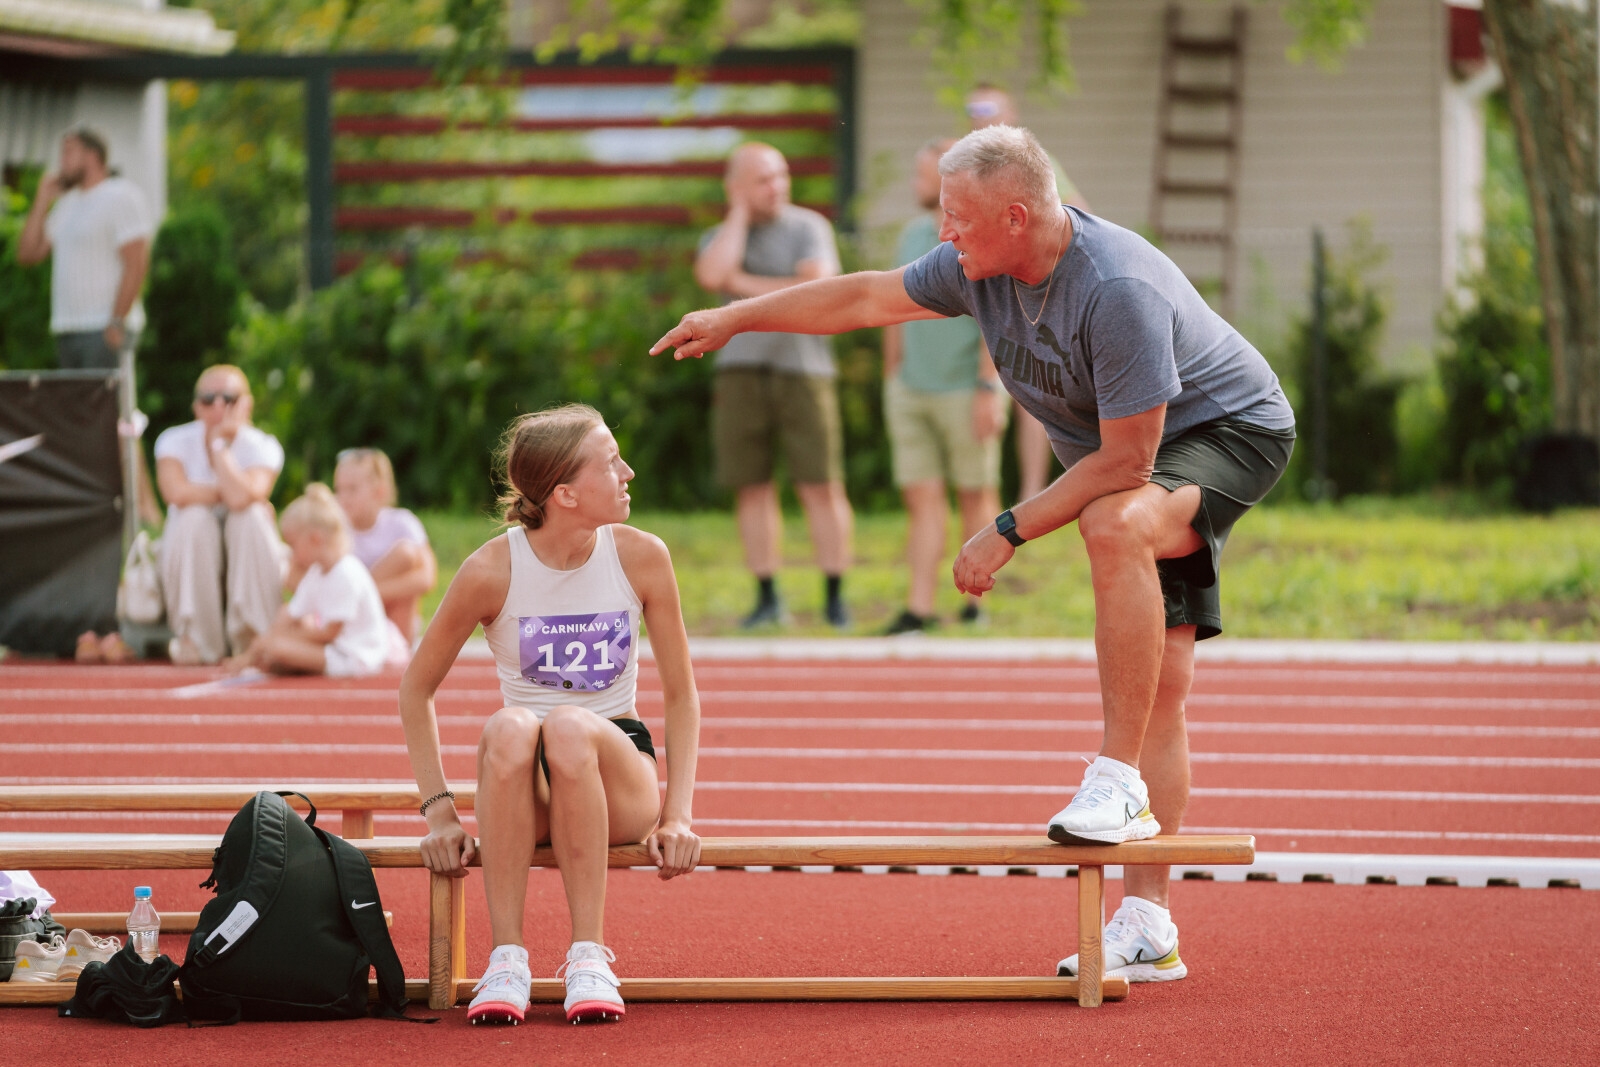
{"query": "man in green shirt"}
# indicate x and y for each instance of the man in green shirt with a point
(945, 414)
(990, 105)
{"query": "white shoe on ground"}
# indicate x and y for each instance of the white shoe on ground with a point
(38, 962)
(502, 992)
(83, 948)
(1111, 806)
(1140, 944)
(592, 989)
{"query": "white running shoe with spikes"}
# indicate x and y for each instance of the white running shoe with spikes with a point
(1140, 944)
(83, 948)
(502, 992)
(38, 962)
(592, 988)
(1111, 806)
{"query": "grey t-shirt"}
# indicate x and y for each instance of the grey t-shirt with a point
(774, 249)
(1122, 332)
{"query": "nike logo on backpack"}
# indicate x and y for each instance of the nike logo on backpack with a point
(357, 907)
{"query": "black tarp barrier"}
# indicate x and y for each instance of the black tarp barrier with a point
(60, 508)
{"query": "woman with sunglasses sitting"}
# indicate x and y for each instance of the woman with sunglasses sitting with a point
(221, 559)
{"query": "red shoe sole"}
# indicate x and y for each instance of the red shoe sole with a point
(495, 1014)
(599, 1011)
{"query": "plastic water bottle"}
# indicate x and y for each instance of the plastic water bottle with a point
(144, 926)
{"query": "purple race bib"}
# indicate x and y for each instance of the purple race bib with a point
(581, 653)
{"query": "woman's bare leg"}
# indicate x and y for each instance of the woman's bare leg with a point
(402, 576)
(603, 791)
(506, 817)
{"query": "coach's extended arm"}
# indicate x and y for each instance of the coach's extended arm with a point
(827, 305)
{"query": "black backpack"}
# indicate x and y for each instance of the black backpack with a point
(295, 926)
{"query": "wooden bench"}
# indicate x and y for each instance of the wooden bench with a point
(356, 803)
(447, 982)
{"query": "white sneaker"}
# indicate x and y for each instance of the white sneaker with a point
(1140, 944)
(1111, 806)
(83, 948)
(592, 990)
(38, 962)
(502, 992)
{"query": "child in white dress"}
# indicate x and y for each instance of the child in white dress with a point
(335, 623)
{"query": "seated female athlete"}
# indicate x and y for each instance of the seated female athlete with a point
(567, 760)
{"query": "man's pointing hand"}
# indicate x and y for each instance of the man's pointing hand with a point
(698, 333)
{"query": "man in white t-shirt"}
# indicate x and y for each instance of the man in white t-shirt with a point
(222, 562)
(98, 228)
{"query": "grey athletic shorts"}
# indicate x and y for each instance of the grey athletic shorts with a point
(1235, 464)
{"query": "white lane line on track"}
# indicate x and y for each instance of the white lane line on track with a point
(733, 722)
(849, 825)
(491, 697)
(959, 789)
(90, 748)
(1354, 760)
(1205, 676)
(956, 789)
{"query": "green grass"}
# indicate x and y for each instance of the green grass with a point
(1396, 569)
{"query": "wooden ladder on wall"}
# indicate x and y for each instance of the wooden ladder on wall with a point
(1194, 203)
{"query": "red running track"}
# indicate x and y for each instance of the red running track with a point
(1469, 760)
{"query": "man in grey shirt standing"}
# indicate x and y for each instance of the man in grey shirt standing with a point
(1169, 424)
(776, 387)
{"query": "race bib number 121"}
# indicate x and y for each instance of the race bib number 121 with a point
(582, 653)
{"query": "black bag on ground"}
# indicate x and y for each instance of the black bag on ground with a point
(295, 927)
(126, 989)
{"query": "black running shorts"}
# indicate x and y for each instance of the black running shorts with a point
(1235, 464)
(636, 731)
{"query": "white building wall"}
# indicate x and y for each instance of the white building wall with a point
(1319, 147)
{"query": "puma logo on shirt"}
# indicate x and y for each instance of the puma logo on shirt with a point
(1025, 368)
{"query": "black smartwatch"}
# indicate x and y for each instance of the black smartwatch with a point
(1006, 526)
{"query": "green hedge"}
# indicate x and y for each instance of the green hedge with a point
(431, 362)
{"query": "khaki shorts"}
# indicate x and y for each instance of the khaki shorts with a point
(931, 434)
(753, 409)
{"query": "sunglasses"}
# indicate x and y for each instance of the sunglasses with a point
(205, 400)
(982, 109)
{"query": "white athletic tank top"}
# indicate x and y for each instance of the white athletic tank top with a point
(567, 637)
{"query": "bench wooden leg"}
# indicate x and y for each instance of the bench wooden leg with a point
(447, 938)
(357, 824)
(1091, 913)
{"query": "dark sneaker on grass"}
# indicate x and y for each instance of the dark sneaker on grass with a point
(973, 615)
(909, 622)
(766, 613)
(837, 614)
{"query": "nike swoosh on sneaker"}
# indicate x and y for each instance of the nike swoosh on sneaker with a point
(357, 907)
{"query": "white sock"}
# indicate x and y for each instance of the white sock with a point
(1148, 906)
(509, 953)
(1115, 768)
(586, 950)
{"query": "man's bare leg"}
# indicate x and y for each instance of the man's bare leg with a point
(831, 522)
(1164, 763)
(1125, 533)
(760, 528)
(927, 520)
(978, 509)
(1033, 454)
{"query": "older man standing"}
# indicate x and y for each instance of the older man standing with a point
(1169, 424)
(99, 229)
(776, 387)
(945, 414)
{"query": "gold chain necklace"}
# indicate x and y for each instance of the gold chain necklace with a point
(1061, 246)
